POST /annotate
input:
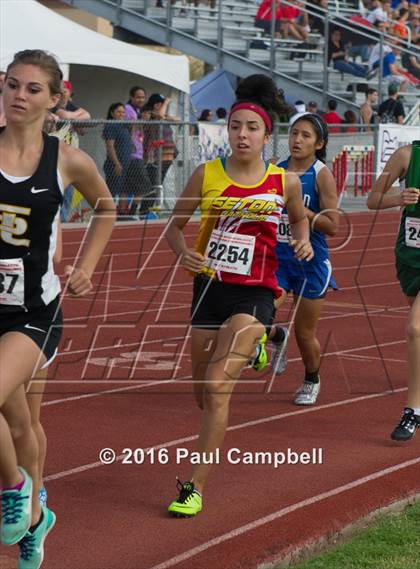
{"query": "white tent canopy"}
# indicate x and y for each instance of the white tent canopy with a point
(25, 24)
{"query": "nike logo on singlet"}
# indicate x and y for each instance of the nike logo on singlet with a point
(34, 191)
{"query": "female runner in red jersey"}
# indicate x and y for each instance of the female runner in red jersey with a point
(241, 199)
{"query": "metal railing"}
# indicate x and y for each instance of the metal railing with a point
(155, 185)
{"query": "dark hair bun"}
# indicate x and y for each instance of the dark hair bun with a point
(260, 89)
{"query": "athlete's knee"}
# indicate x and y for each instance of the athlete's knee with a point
(413, 330)
(20, 427)
(217, 395)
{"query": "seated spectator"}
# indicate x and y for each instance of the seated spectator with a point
(119, 147)
(263, 17)
(294, 21)
(392, 110)
(414, 23)
(367, 113)
(411, 61)
(331, 117)
(399, 29)
(337, 55)
(357, 44)
(317, 23)
(392, 72)
(350, 117)
(378, 14)
(221, 114)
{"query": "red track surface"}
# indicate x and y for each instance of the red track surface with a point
(123, 381)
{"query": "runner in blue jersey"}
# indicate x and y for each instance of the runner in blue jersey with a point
(308, 281)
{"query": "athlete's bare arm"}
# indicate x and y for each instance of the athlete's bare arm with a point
(396, 168)
(328, 220)
(79, 169)
(184, 208)
(299, 224)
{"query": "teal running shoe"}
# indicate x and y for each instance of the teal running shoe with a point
(16, 508)
(32, 545)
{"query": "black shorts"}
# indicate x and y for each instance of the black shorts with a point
(43, 325)
(215, 302)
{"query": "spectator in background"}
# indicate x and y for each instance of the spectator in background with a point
(221, 114)
(158, 142)
(350, 117)
(411, 62)
(331, 117)
(67, 109)
(285, 111)
(299, 109)
(414, 23)
(137, 180)
(300, 106)
(392, 72)
(367, 113)
(63, 113)
(337, 55)
(399, 29)
(206, 115)
(119, 147)
(392, 110)
(263, 17)
(294, 21)
(313, 107)
(378, 15)
(317, 23)
(2, 115)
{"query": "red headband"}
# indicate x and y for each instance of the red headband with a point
(257, 109)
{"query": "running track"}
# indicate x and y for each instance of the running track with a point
(122, 381)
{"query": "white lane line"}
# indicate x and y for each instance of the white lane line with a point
(237, 427)
(176, 307)
(108, 391)
(143, 253)
(283, 512)
(162, 267)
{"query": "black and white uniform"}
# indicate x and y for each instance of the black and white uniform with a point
(29, 287)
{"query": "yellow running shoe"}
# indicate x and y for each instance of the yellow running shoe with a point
(261, 359)
(189, 502)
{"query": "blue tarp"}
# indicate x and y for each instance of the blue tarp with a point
(211, 92)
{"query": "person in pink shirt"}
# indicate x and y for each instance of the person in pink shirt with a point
(137, 182)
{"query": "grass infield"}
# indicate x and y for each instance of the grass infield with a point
(393, 542)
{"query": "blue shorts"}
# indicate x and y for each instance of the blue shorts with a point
(310, 280)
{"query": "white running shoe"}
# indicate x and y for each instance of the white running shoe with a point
(278, 359)
(307, 393)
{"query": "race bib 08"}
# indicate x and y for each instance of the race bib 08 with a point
(12, 282)
(284, 234)
(230, 252)
(412, 232)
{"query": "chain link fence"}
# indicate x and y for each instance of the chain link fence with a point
(148, 184)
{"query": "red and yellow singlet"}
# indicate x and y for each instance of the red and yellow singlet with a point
(239, 224)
